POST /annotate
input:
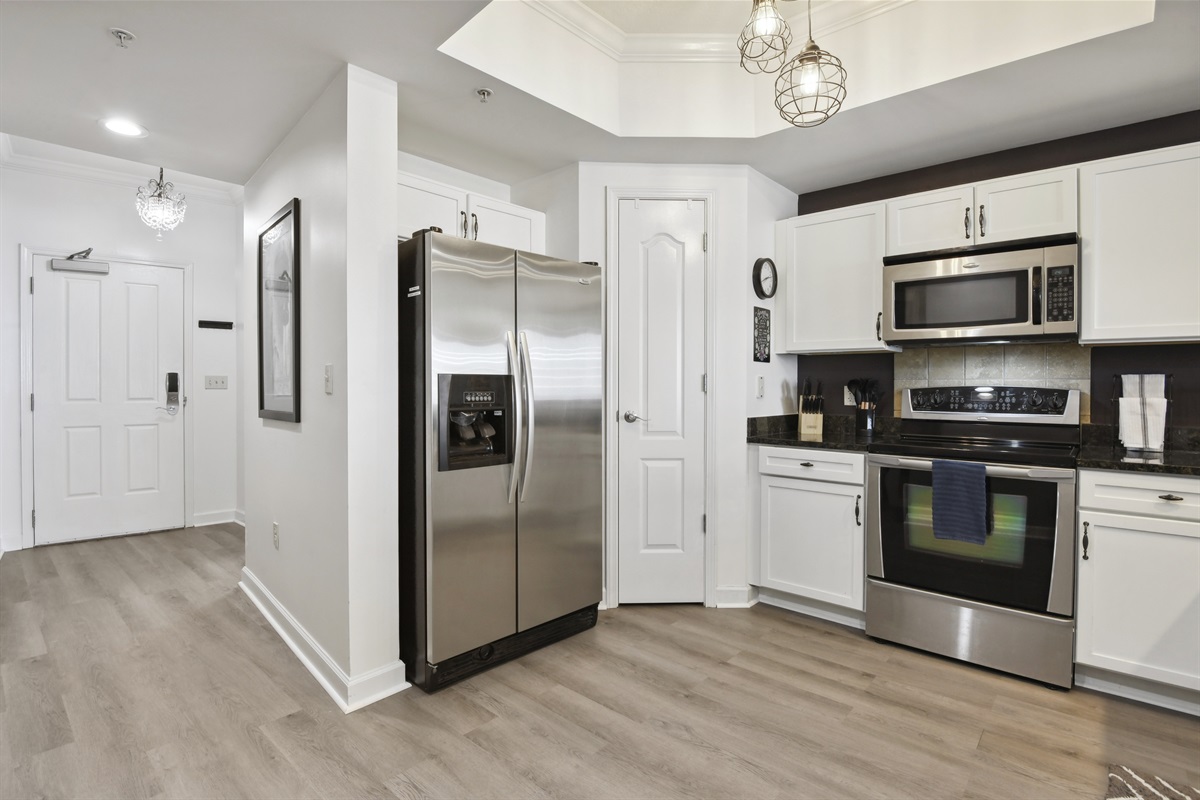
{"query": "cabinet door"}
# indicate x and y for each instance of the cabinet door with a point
(1140, 279)
(812, 540)
(833, 281)
(506, 225)
(425, 204)
(931, 221)
(1037, 204)
(1139, 597)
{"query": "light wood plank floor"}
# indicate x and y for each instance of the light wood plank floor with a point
(135, 667)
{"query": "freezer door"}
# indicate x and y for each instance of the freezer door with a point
(559, 533)
(471, 526)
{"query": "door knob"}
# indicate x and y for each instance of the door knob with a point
(632, 417)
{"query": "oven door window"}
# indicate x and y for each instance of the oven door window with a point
(967, 301)
(1013, 566)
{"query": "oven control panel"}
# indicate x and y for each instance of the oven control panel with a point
(1020, 400)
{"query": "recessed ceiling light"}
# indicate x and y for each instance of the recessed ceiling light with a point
(124, 127)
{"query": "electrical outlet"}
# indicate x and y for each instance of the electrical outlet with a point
(761, 389)
(847, 398)
(275, 533)
(216, 381)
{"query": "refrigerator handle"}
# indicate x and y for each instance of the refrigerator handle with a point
(518, 413)
(527, 384)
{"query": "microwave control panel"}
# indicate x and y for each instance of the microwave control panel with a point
(1060, 294)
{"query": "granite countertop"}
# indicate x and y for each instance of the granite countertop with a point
(1181, 458)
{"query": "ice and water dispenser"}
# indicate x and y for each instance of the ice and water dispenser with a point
(474, 421)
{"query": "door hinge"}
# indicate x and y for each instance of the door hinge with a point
(33, 521)
(704, 523)
(704, 383)
(31, 401)
(704, 245)
(31, 284)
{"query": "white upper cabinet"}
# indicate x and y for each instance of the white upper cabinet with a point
(832, 280)
(1140, 227)
(1020, 207)
(424, 203)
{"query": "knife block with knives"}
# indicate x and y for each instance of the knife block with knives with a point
(812, 411)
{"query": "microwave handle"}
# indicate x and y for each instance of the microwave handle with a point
(1037, 295)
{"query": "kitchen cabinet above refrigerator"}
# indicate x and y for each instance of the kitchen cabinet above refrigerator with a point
(428, 204)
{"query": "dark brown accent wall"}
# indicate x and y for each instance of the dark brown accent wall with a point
(835, 371)
(1180, 360)
(1149, 135)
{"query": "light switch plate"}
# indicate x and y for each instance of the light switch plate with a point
(216, 381)
(329, 379)
(761, 389)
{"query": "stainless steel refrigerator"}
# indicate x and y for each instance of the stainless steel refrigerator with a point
(501, 369)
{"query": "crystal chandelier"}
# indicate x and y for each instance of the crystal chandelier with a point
(812, 86)
(160, 206)
(765, 39)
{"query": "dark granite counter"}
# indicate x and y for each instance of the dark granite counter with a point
(838, 433)
(1177, 462)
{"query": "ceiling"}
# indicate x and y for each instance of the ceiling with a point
(219, 84)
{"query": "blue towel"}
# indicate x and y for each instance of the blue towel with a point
(960, 501)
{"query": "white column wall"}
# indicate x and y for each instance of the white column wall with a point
(68, 199)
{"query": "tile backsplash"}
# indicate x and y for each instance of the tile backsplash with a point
(1061, 366)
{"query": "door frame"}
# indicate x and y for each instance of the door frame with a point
(28, 254)
(611, 477)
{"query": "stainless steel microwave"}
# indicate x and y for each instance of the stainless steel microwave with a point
(1014, 291)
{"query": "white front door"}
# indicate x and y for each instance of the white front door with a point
(661, 424)
(107, 449)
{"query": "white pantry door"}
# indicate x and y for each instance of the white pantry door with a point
(660, 356)
(107, 455)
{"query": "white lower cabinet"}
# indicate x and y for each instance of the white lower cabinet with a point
(811, 535)
(1138, 610)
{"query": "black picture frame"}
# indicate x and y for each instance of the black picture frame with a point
(762, 335)
(279, 315)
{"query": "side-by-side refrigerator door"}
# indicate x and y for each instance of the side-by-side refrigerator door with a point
(560, 538)
(471, 544)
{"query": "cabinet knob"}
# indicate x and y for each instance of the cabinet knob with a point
(857, 516)
(475, 226)
(464, 223)
(879, 327)
(982, 229)
(1085, 541)
(806, 463)
(1170, 498)
(967, 222)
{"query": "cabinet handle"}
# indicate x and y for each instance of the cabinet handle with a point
(464, 223)
(857, 517)
(982, 229)
(1085, 541)
(1170, 498)
(967, 222)
(475, 226)
(806, 463)
(878, 326)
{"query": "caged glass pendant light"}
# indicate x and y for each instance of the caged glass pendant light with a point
(811, 88)
(765, 40)
(160, 206)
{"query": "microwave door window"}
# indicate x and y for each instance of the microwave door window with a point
(969, 301)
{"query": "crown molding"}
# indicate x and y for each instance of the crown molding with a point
(584, 23)
(223, 194)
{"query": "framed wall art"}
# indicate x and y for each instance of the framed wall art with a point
(762, 334)
(279, 315)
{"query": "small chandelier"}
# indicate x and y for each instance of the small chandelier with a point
(812, 86)
(160, 206)
(765, 39)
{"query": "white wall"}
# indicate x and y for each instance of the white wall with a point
(57, 197)
(458, 178)
(328, 481)
(557, 195)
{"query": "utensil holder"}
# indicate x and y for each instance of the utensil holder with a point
(864, 420)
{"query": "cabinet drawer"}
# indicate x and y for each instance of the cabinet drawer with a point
(837, 466)
(1143, 493)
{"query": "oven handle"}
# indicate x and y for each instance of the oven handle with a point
(993, 470)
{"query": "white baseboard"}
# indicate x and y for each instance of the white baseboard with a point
(239, 517)
(736, 596)
(213, 517)
(1154, 693)
(813, 608)
(349, 693)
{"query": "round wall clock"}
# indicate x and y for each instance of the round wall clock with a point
(765, 278)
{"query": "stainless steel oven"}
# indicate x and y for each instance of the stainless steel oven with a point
(1006, 602)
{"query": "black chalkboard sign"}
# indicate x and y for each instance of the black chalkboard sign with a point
(762, 334)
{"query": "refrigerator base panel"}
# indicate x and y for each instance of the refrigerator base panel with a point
(483, 658)
(1036, 646)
